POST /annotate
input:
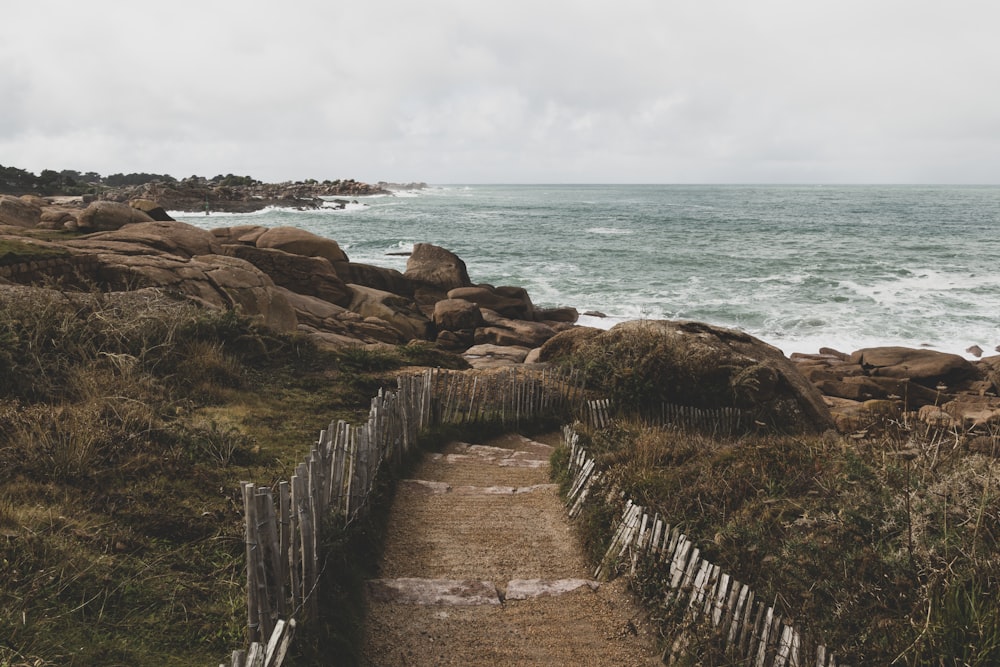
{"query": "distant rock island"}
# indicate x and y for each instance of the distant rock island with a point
(197, 195)
(229, 193)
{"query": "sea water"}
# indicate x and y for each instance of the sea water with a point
(801, 267)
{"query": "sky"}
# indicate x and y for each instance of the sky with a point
(466, 91)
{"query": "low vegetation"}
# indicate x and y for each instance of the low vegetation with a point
(127, 421)
(885, 545)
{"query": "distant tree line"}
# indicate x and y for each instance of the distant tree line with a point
(72, 182)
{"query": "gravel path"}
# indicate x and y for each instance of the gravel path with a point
(481, 568)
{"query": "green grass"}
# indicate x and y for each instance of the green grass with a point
(15, 252)
(127, 422)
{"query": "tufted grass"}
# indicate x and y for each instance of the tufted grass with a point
(887, 546)
(127, 422)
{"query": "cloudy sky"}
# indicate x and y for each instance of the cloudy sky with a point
(466, 91)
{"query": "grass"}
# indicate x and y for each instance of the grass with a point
(886, 546)
(15, 252)
(127, 422)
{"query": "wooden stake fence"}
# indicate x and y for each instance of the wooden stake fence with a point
(711, 600)
(719, 422)
(283, 531)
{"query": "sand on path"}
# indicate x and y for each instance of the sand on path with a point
(481, 567)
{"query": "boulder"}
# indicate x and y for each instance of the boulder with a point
(174, 238)
(710, 367)
(400, 313)
(387, 280)
(457, 315)
(151, 208)
(35, 200)
(313, 276)
(108, 215)
(300, 242)
(926, 367)
(435, 267)
(504, 331)
(312, 311)
(848, 415)
(456, 340)
(241, 234)
(864, 388)
(495, 356)
(214, 281)
(248, 289)
(934, 416)
(510, 302)
(816, 370)
(974, 411)
(17, 212)
(990, 369)
(564, 315)
(58, 217)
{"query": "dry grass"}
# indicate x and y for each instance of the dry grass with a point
(887, 546)
(126, 424)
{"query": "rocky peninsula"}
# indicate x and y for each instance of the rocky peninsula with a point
(296, 281)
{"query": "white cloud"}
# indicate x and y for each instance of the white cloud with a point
(449, 91)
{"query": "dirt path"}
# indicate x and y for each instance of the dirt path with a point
(481, 568)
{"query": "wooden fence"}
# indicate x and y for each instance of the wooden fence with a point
(334, 483)
(720, 422)
(711, 600)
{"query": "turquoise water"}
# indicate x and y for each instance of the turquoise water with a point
(799, 266)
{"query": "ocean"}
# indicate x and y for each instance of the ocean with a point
(800, 267)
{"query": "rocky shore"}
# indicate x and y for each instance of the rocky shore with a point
(199, 194)
(296, 281)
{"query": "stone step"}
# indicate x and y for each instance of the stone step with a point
(461, 592)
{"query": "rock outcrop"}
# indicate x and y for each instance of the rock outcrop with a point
(435, 271)
(19, 212)
(300, 242)
(295, 280)
(941, 390)
(107, 215)
(311, 276)
(708, 367)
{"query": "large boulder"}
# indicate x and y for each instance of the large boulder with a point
(333, 326)
(214, 281)
(864, 388)
(511, 302)
(696, 364)
(564, 315)
(300, 242)
(313, 276)
(248, 289)
(108, 215)
(500, 330)
(435, 267)
(398, 312)
(174, 238)
(974, 411)
(927, 367)
(482, 357)
(151, 208)
(387, 280)
(457, 315)
(59, 217)
(19, 212)
(240, 234)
